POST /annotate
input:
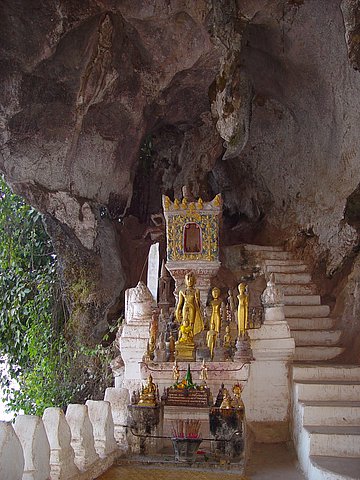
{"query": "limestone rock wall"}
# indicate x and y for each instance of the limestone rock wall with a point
(105, 105)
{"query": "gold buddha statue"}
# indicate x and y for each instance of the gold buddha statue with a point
(171, 348)
(243, 309)
(176, 372)
(148, 393)
(227, 400)
(186, 333)
(237, 390)
(189, 305)
(216, 307)
(211, 339)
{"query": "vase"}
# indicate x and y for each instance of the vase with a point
(185, 448)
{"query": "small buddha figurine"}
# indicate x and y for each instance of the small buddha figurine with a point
(176, 372)
(147, 355)
(211, 339)
(153, 330)
(189, 305)
(237, 389)
(148, 393)
(231, 303)
(216, 309)
(227, 338)
(185, 333)
(204, 372)
(243, 309)
(227, 400)
(154, 324)
(171, 348)
(173, 327)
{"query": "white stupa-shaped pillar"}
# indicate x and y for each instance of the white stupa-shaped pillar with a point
(267, 392)
(135, 333)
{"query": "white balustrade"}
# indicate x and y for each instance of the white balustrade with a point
(11, 453)
(103, 427)
(31, 433)
(62, 457)
(82, 436)
(119, 399)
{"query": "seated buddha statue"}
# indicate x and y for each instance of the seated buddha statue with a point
(186, 333)
(148, 393)
(227, 400)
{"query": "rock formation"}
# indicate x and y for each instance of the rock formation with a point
(105, 105)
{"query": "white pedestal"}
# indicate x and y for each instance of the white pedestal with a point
(267, 393)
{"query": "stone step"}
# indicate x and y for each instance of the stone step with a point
(289, 262)
(334, 440)
(325, 323)
(316, 337)
(327, 390)
(316, 353)
(295, 289)
(263, 248)
(326, 372)
(268, 255)
(336, 468)
(298, 278)
(299, 268)
(306, 311)
(302, 300)
(331, 413)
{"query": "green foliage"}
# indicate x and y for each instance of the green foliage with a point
(31, 313)
(50, 368)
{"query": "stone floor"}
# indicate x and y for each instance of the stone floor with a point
(267, 462)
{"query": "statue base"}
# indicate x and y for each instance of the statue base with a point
(219, 354)
(243, 350)
(228, 353)
(184, 353)
(203, 353)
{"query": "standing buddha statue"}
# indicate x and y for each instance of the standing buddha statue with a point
(211, 339)
(189, 305)
(216, 309)
(243, 309)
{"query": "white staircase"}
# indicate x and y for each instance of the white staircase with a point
(326, 416)
(313, 330)
(326, 397)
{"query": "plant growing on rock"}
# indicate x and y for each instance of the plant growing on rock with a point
(49, 368)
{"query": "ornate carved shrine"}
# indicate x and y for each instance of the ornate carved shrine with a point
(192, 231)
